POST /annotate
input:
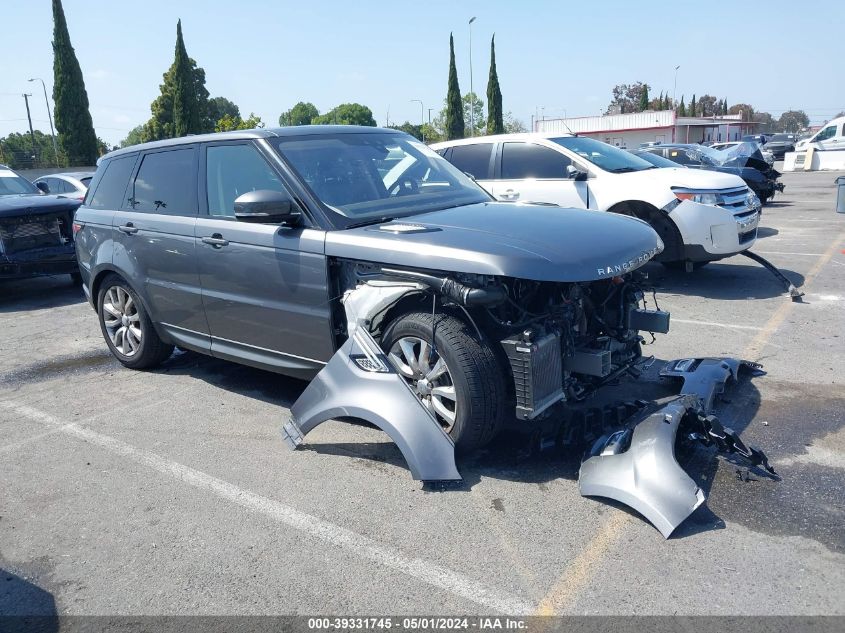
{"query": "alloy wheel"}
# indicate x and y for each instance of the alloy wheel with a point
(122, 321)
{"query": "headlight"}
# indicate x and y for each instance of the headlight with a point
(702, 197)
(752, 201)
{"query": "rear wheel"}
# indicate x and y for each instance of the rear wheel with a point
(458, 379)
(127, 328)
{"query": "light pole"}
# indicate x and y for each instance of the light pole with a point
(422, 117)
(675, 88)
(471, 92)
(50, 117)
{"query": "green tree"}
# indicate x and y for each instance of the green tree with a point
(300, 114)
(495, 118)
(183, 90)
(218, 107)
(724, 106)
(17, 152)
(409, 128)
(643, 105)
(347, 114)
(473, 104)
(432, 134)
(682, 109)
(454, 107)
(513, 125)
(793, 121)
(135, 136)
(227, 123)
(627, 97)
(692, 106)
(707, 106)
(76, 136)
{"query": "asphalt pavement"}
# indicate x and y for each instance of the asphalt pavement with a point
(171, 491)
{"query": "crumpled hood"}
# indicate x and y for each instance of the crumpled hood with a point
(524, 241)
(16, 206)
(694, 178)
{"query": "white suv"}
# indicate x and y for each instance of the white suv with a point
(701, 216)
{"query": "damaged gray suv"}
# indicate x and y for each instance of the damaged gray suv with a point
(359, 259)
(257, 246)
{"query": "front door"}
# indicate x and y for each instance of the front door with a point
(264, 286)
(536, 173)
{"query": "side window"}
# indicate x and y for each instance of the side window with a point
(473, 159)
(166, 183)
(828, 132)
(51, 184)
(526, 160)
(109, 192)
(680, 156)
(61, 186)
(233, 170)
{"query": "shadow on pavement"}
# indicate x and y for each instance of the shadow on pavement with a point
(38, 293)
(25, 606)
(729, 282)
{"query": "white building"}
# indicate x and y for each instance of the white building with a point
(631, 130)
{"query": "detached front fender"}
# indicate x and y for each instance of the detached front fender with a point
(360, 382)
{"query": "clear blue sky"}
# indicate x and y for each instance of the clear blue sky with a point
(561, 55)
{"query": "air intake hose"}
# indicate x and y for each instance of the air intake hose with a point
(461, 294)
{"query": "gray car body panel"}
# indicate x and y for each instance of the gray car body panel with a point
(537, 242)
(706, 377)
(646, 476)
(344, 389)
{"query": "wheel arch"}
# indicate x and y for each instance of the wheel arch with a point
(673, 243)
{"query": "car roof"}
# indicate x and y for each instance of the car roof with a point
(493, 138)
(294, 130)
(79, 175)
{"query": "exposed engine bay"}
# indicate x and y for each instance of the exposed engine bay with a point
(557, 343)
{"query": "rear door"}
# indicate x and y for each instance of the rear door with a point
(154, 242)
(264, 286)
(535, 173)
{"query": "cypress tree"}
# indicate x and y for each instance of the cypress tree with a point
(682, 110)
(186, 116)
(495, 117)
(692, 106)
(454, 104)
(74, 126)
(644, 99)
(725, 105)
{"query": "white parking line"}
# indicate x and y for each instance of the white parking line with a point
(730, 326)
(788, 253)
(361, 546)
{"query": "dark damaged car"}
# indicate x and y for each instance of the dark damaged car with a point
(36, 230)
(361, 260)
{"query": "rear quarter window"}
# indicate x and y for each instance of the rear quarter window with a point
(473, 159)
(109, 192)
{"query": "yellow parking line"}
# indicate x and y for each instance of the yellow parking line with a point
(581, 570)
(755, 348)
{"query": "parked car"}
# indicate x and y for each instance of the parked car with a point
(760, 139)
(71, 184)
(700, 216)
(269, 247)
(831, 136)
(755, 172)
(767, 155)
(780, 144)
(36, 236)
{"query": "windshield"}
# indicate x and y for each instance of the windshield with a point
(371, 176)
(607, 157)
(13, 185)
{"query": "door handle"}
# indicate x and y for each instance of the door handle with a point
(509, 194)
(128, 228)
(216, 240)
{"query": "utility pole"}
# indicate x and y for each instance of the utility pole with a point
(31, 133)
(50, 118)
(675, 88)
(471, 91)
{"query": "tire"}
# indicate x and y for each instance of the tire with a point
(472, 370)
(120, 308)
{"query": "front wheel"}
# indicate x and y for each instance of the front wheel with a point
(458, 379)
(127, 328)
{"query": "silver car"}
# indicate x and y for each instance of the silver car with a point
(73, 184)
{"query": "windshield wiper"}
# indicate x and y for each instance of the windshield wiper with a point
(625, 170)
(380, 220)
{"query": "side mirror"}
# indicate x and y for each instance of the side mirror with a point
(266, 207)
(575, 174)
(43, 187)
